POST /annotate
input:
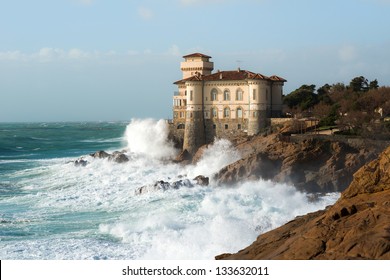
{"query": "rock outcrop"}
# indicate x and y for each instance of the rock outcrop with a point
(165, 185)
(357, 226)
(311, 164)
(118, 157)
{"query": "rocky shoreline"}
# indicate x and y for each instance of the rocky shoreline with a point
(357, 226)
(311, 164)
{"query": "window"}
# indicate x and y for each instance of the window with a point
(226, 95)
(239, 113)
(226, 112)
(214, 126)
(214, 112)
(239, 95)
(254, 94)
(191, 95)
(239, 126)
(226, 126)
(181, 126)
(214, 94)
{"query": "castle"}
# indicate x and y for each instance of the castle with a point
(224, 104)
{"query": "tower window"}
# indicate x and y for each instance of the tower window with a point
(254, 94)
(226, 126)
(214, 126)
(191, 95)
(239, 126)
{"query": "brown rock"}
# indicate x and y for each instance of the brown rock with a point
(183, 157)
(202, 180)
(357, 226)
(311, 164)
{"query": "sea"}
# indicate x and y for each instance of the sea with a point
(54, 209)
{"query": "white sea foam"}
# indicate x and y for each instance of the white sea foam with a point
(91, 212)
(149, 137)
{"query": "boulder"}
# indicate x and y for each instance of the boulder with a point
(100, 154)
(201, 180)
(80, 162)
(163, 186)
(118, 157)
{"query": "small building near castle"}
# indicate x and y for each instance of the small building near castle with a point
(224, 104)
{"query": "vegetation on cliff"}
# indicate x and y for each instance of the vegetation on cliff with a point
(359, 108)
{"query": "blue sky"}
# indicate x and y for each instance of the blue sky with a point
(91, 60)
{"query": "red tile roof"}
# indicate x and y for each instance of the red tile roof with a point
(196, 55)
(236, 75)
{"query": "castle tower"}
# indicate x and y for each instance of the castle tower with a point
(258, 103)
(194, 136)
(196, 63)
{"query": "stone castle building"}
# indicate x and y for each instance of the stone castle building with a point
(224, 104)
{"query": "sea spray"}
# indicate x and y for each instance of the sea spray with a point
(150, 138)
(56, 210)
(216, 156)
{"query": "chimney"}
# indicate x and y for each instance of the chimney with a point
(238, 70)
(220, 76)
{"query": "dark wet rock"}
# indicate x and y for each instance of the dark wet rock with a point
(202, 180)
(80, 162)
(118, 157)
(163, 186)
(100, 154)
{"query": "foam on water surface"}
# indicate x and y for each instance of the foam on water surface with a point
(62, 211)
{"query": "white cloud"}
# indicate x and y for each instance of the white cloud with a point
(145, 13)
(78, 54)
(49, 54)
(174, 50)
(12, 55)
(348, 53)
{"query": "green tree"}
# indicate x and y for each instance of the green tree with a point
(302, 98)
(373, 84)
(359, 84)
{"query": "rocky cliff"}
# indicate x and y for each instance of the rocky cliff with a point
(357, 226)
(310, 163)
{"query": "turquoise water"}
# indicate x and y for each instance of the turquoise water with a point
(52, 209)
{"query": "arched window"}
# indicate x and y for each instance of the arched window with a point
(226, 95)
(214, 95)
(214, 113)
(181, 126)
(239, 113)
(226, 112)
(239, 94)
